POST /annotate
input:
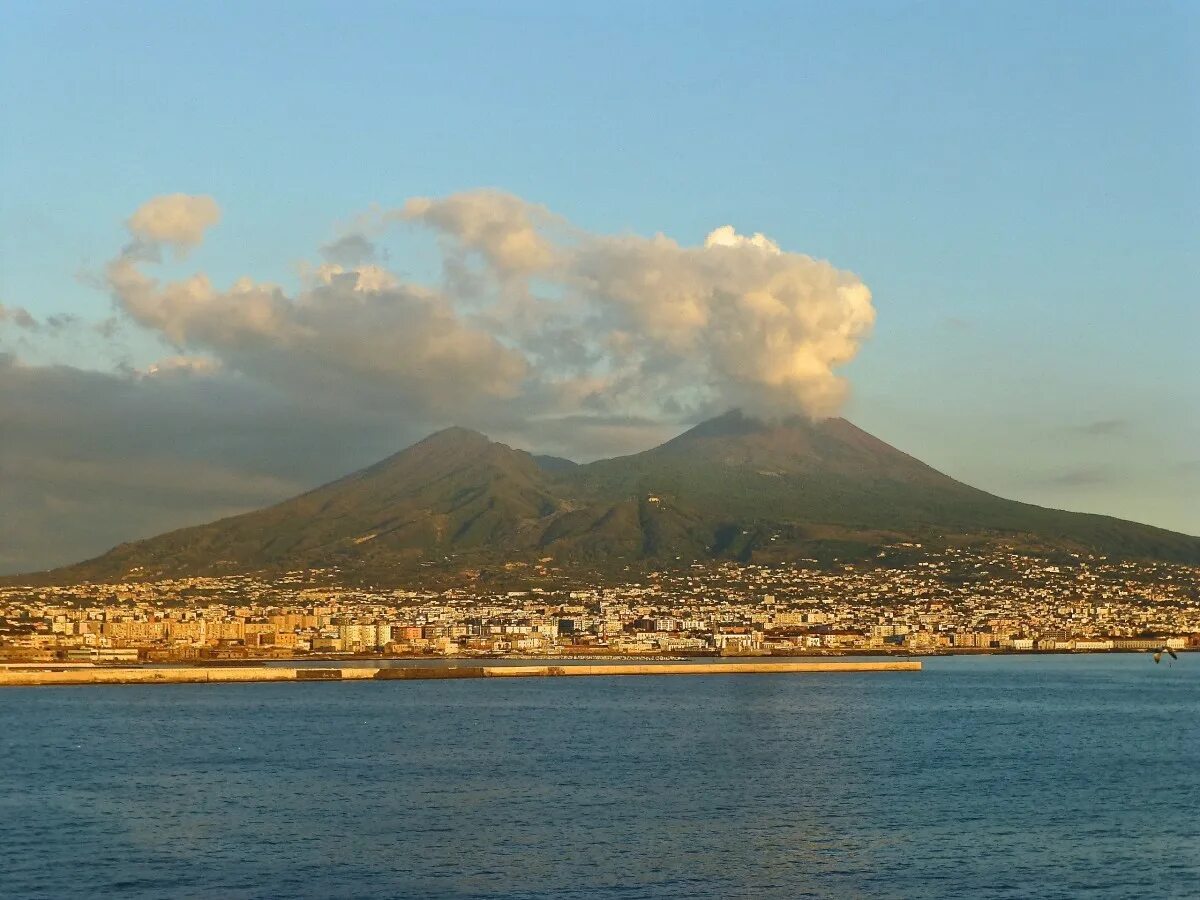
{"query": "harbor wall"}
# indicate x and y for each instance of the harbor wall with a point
(50, 675)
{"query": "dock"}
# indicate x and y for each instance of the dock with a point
(49, 674)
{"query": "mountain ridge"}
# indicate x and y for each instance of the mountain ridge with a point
(730, 488)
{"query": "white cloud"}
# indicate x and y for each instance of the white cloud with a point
(737, 322)
(725, 236)
(554, 319)
(178, 220)
(503, 228)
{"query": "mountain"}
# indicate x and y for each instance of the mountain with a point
(731, 487)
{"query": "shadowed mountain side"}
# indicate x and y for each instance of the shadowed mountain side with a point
(730, 488)
(555, 463)
(455, 489)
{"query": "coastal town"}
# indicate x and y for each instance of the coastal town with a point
(908, 600)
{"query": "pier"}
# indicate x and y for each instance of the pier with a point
(49, 674)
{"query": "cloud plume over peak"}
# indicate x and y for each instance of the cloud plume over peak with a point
(533, 322)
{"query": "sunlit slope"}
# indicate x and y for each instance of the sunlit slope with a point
(829, 483)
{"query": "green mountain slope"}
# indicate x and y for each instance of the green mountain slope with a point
(808, 483)
(730, 488)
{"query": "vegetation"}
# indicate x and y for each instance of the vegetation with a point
(729, 488)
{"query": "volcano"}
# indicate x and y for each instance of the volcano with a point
(730, 488)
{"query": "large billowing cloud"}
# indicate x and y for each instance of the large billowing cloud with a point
(537, 333)
(533, 316)
(736, 322)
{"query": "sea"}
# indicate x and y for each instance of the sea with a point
(986, 776)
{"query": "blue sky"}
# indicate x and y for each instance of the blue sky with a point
(1016, 182)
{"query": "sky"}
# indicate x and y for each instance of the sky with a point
(246, 248)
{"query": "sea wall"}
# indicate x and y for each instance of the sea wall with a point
(15, 676)
(706, 668)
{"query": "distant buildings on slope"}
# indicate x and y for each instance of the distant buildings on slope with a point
(956, 600)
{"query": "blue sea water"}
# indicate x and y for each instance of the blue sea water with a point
(978, 777)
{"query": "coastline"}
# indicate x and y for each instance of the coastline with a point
(34, 675)
(548, 659)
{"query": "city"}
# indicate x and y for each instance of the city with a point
(952, 600)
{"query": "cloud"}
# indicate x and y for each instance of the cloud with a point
(176, 220)
(1102, 427)
(736, 322)
(538, 333)
(584, 437)
(1081, 478)
(350, 250)
(533, 319)
(354, 337)
(725, 236)
(91, 459)
(552, 321)
(503, 228)
(174, 366)
(18, 316)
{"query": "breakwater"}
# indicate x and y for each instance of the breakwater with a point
(49, 675)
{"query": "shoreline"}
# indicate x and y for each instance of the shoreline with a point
(599, 658)
(421, 660)
(91, 675)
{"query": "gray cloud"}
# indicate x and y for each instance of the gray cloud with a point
(1080, 478)
(1102, 427)
(17, 316)
(585, 438)
(90, 459)
(349, 250)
